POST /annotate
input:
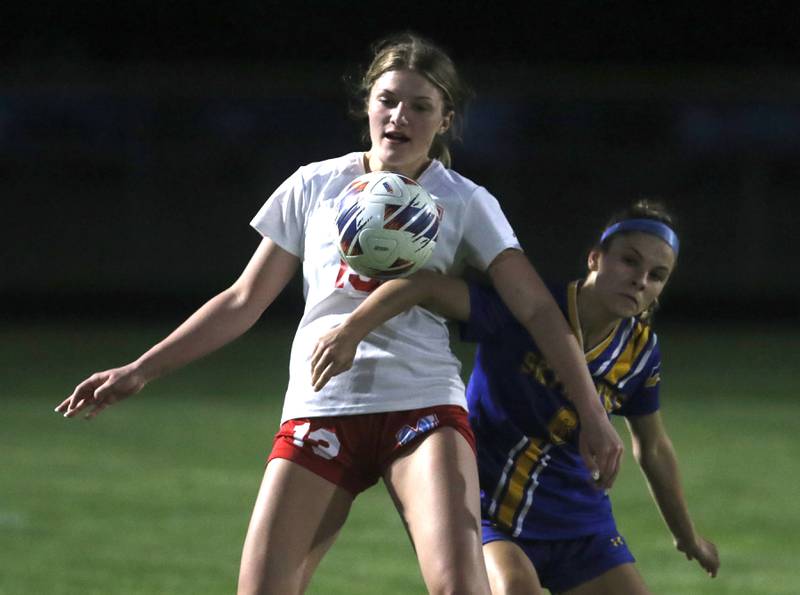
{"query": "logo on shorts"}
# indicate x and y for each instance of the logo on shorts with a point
(617, 541)
(425, 424)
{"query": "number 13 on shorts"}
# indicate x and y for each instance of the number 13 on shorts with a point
(323, 442)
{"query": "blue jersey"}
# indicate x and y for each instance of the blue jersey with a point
(534, 484)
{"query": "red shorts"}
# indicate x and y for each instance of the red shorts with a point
(353, 451)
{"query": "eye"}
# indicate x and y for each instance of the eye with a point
(422, 107)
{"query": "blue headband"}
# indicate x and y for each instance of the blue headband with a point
(651, 226)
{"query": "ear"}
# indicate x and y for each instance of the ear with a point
(447, 121)
(593, 260)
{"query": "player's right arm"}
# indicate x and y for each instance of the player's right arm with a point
(529, 300)
(219, 321)
(335, 351)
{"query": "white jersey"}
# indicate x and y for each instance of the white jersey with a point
(407, 362)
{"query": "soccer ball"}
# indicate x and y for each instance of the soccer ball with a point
(387, 225)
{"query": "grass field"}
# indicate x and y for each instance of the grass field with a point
(154, 496)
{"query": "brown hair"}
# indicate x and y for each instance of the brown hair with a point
(409, 51)
(641, 209)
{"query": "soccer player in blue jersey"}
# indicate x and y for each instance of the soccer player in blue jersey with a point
(545, 522)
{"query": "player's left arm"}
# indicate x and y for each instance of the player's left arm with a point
(653, 450)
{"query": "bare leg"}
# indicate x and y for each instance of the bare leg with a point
(620, 579)
(435, 489)
(296, 518)
(510, 570)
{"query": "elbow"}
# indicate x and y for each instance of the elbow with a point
(641, 455)
(240, 301)
(648, 456)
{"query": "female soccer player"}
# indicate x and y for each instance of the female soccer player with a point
(384, 419)
(544, 523)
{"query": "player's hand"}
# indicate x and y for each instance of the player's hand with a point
(704, 552)
(601, 449)
(333, 354)
(101, 390)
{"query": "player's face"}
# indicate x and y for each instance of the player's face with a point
(406, 111)
(631, 274)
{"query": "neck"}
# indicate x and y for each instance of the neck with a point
(412, 171)
(596, 321)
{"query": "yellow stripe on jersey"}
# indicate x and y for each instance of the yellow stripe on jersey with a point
(575, 323)
(598, 349)
(517, 481)
(561, 426)
(653, 380)
(609, 396)
(635, 346)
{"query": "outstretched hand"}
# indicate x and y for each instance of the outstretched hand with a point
(101, 390)
(333, 354)
(601, 449)
(704, 552)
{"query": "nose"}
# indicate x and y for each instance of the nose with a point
(398, 114)
(639, 279)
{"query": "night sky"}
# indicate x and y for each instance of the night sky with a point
(138, 138)
(643, 33)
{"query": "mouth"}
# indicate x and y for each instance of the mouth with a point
(631, 299)
(395, 137)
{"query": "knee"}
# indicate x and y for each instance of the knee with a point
(264, 582)
(457, 581)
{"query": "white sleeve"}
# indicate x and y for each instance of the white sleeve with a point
(282, 218)
(487, 232)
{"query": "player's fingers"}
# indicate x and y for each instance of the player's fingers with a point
(76, 408)
(83, 391)
(318, 378)
(609, 466)
(62, 407)
(105, 394)
(76, 397)
(315, 357)
(316, 354)
(610, 477)
(586, 455)
(318, 366)
(325, 375)
(710, 560)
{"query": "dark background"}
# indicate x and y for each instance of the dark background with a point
(138, 139)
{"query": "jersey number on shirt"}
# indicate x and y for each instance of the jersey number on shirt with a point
(355, 280)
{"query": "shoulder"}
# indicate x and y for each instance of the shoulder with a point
(345, 165)
(324, 180)
(447, 183)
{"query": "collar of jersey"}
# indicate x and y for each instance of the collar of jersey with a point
(575, 323)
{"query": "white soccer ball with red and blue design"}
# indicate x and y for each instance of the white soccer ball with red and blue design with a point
(387, 225)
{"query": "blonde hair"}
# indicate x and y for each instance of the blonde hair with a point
(408, 51)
